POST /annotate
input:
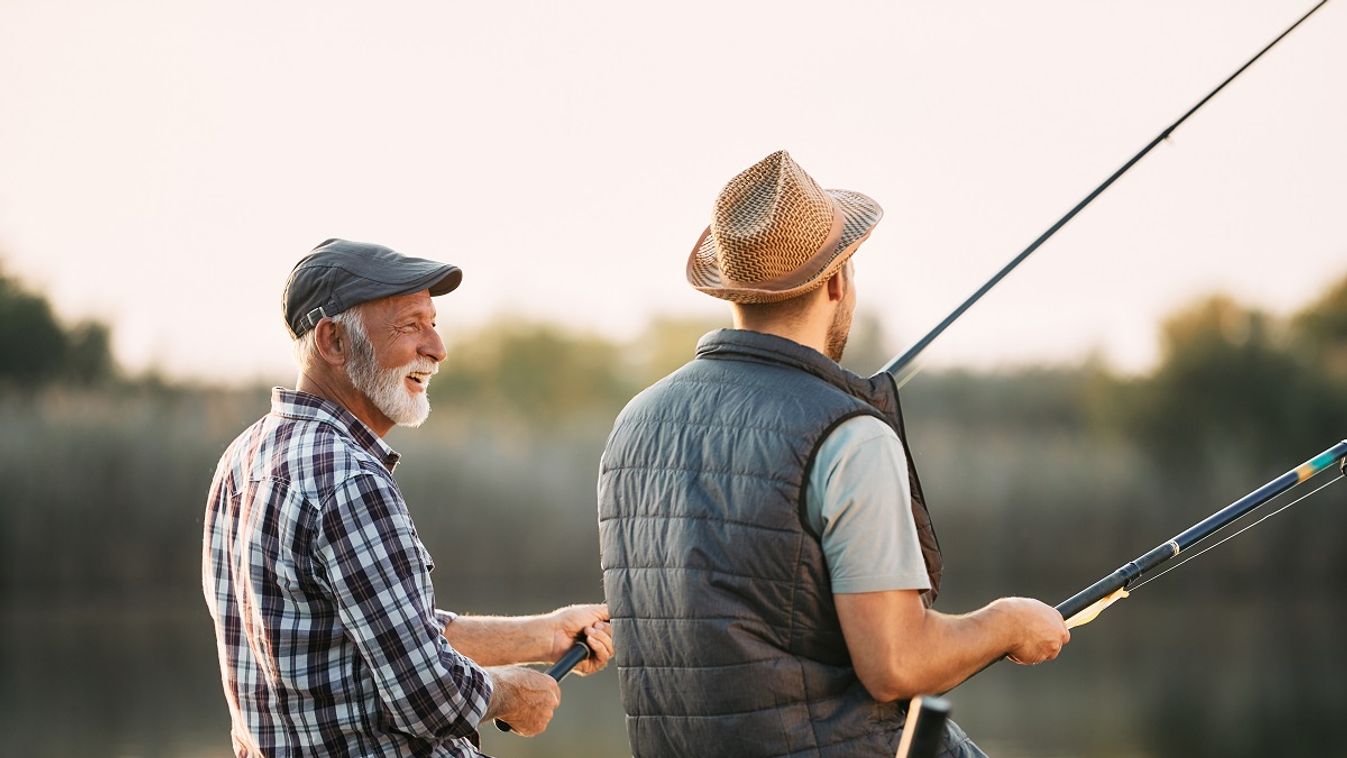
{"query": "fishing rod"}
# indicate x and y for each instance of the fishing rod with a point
(1086, 605)
(1082, 607)
(903, 367)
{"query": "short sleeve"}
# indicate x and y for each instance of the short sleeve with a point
(859, 502)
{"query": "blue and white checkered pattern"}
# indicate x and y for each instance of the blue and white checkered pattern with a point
(329, 640)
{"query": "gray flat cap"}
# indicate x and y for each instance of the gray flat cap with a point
(340, 274)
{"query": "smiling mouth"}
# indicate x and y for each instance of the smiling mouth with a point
(419, 378)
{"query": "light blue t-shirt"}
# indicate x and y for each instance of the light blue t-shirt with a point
(859, 502)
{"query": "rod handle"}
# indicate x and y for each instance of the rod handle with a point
(924, 728)
(558, 671)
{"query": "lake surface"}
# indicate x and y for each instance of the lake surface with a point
(1258, 676)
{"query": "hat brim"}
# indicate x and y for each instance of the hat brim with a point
(860, 214)
(444, 280)
(439, 278)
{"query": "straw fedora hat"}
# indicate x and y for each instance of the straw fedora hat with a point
(775, 234)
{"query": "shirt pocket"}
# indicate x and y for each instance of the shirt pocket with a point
(425, 556)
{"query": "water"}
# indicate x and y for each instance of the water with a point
(1257, 675)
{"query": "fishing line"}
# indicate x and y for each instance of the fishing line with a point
(904, 367)
(1198, 554)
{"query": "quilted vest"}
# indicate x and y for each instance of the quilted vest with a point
(728, 642)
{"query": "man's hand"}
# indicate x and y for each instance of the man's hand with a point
(522, 698)
(567, 624)
(1041, 632)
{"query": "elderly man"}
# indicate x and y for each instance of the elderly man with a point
(329, 639)
(767, 552)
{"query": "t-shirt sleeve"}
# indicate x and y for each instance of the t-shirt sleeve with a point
(859, 502)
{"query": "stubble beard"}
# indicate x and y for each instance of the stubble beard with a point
(837, 335)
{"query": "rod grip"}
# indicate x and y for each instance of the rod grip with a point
(578, 654)
(924, 730)
(1092, 594)
(558, 671)
(1120, 579)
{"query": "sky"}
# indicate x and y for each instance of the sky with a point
(163, 165)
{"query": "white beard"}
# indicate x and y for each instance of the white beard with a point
(385, 387)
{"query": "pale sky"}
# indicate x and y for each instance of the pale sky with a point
(163, 165)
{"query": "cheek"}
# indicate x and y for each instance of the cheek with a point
(397, 353)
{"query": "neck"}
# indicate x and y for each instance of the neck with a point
(339, 390)
(810, 331)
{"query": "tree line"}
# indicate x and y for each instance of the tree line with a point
(105, 475)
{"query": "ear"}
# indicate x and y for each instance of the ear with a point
(837, 285)
(330, 341)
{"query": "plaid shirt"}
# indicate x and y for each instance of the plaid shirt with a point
(328, 636)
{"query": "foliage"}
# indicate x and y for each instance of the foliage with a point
(116, 475)
(1236, 389)
(1320, 332)
(35, 348)
(534, 373)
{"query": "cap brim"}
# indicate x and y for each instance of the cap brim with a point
(447, 281)
(440, 279)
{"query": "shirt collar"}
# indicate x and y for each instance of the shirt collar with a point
(302, 406)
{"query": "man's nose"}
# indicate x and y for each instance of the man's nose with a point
(433, 347)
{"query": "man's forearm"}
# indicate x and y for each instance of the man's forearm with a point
(949, 649)
(501, 640)
(901, 649)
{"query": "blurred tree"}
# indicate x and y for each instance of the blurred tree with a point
(1319, 335)
(89, 353)
(35, 348)
(535, 373)
(666, 343)
(1320, 330)
(1227, 394)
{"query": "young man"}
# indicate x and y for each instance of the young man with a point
(329, 639)
(767, 554)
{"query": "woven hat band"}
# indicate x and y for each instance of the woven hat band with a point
(806, 271)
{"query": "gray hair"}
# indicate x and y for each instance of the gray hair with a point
(351, 320)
